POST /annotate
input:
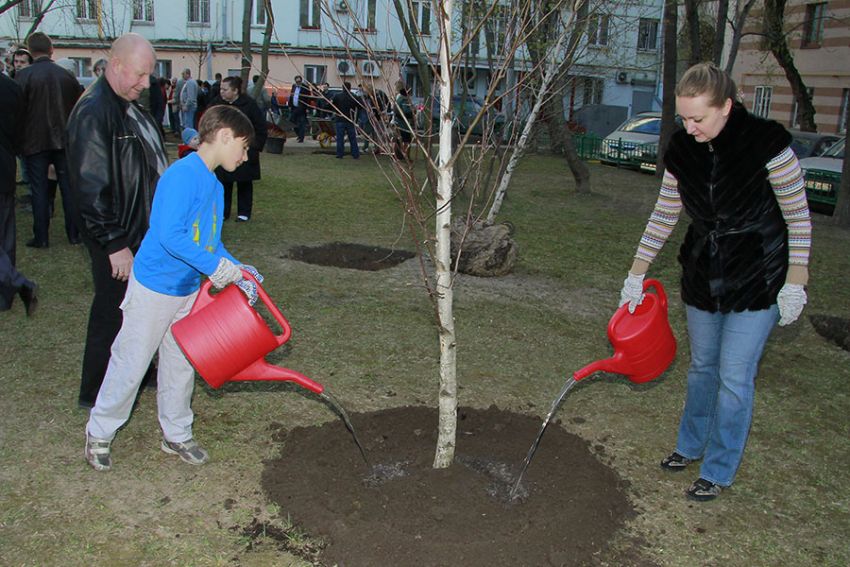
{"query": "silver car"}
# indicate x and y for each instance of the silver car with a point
(627, 144)
(823, 177)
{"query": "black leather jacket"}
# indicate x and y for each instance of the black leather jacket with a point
(49, 94)
(112, 177)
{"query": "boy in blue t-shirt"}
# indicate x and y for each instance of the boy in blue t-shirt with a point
(182, 243)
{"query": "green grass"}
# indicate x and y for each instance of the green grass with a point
(369, 337)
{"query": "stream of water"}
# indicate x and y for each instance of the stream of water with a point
(569, 384)
(328, 397)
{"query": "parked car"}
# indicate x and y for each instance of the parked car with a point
(811, 144)
(464, 111)
(633, 142)
(822, 175)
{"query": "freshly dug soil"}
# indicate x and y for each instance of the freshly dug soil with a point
(352, 256)
(403, 512)
(834, 329)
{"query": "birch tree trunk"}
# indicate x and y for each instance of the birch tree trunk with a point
(447, 401)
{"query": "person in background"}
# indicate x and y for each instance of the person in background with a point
(245, 175)
(215, 88)
(50, 93)
(323, 102)
(113, 182)
(21, 59)
(403, 121)
(183, 243)
(12, 282)
(346, 106)
(99, 67)
(191, 141)
(298, 105)
(188, 98)
(744, 263)
(173, 107)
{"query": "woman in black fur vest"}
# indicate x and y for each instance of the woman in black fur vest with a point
(744, 262)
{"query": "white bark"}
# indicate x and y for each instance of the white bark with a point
(447, 400)
(553, 64)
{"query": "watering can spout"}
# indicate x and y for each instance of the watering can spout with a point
(262, 370)
(614, 364)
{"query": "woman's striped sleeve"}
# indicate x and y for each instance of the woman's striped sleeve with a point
(662, 220)
(786, 178)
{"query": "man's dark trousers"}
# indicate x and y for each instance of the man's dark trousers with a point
(37, 166)
(343, 129)
(11, 280)
(299, 118)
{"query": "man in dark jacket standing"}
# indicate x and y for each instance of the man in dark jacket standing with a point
(346, 106)
(116, 155)
(244, 176)
(298, 103)
(49, 95)
(11, 280)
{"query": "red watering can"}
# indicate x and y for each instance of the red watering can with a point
(226, 340)
(643, 342)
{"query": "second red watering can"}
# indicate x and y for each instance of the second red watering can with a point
(643, 342)
(226, 340)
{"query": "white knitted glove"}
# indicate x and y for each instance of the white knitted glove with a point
(226, 273)
(791, 299)
(249, 288)
(253, 271)
(632, 292)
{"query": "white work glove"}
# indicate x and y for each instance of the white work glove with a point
(249, 288)
(253, 271)
(632, 292)
(791, 299)
(226, 273)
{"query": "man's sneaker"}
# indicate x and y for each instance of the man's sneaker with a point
(675, 462)
(189, 451)
(703, 490)
(241, 218)
(98, 453)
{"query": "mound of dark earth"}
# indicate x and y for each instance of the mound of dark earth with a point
(351, 256)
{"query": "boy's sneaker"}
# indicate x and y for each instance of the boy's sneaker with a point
(675, 462)
(98, 453)
(703, 490)
(189, 451)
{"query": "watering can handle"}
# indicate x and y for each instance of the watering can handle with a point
(286, 330)
(662, 295)
(205, 298)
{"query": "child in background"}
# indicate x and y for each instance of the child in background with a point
(191, 141)
(182, 243)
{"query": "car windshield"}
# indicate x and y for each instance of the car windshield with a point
(643, 125)
(836, 150)
(802, 146)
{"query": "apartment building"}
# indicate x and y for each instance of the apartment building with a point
(819, 38)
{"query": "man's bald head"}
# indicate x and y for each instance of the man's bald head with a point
(131, 62)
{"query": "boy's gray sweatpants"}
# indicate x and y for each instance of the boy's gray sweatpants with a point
(148, 317)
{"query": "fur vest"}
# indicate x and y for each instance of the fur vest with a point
(735, 253)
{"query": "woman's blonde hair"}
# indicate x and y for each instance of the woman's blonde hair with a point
(707, 79)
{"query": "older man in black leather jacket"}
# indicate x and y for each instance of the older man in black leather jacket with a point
(116, 155)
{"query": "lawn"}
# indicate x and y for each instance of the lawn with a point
(369, 337)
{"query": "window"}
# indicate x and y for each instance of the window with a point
(199, 11)
(143, 11)
(597, 29)
(311, 14)
(592, 89)
(420, 16)
(83, 66)
(86, 9)
(29, 8)
(364, 14)
(795, 110)
(813, 25)
(315, 74)
(647, 35)
(163, 68)
(259, 13)
(414, 85)
(842, 114)
(761, 104)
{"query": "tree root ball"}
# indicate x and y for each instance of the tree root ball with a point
(485, 250)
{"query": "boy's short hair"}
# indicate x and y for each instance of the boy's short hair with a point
(39, 43)
(224, 116)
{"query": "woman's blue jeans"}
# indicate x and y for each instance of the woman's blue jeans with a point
(725, 353)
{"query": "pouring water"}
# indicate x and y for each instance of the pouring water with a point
(569, 384)
(328, 397)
